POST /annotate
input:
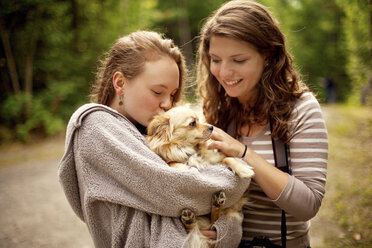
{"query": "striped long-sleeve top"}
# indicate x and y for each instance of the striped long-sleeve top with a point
(302, 196)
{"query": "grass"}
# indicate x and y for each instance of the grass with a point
(345, 218)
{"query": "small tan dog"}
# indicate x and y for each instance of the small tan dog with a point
(180, 139)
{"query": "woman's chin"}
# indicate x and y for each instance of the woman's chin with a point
(232, 93)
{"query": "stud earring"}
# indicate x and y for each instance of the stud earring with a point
(120, 100)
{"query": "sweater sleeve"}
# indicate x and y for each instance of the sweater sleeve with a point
(229, 231)
(305, 189)
(115, 165)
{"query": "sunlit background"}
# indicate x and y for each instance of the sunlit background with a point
(49, 53)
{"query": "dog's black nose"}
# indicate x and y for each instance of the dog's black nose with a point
(210, 128)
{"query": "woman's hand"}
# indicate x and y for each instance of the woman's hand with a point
(271, 180)
(225, 143)
(209, 234)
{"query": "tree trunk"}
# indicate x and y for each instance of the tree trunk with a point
(31, 54)
(370, 31)
(185, 33)
(9, 57)
(75, 25)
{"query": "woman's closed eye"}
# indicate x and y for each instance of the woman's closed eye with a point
(239, 61)
(156, 92)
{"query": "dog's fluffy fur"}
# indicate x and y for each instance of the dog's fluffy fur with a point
(180, 139)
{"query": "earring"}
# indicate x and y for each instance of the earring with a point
(120, 100)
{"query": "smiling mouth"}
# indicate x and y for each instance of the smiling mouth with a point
(230, 83)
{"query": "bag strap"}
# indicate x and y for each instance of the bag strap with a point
(280, 150)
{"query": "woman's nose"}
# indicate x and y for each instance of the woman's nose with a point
(225, 71)
(166, 104)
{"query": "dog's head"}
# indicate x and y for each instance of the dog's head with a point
(177, 129)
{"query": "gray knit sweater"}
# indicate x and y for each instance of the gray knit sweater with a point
(126, 194)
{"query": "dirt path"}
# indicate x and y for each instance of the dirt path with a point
(33, 209)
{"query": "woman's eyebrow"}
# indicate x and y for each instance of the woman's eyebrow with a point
(232, 56)
(165, 87)
(161, 85)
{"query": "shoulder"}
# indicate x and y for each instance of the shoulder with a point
(92, 110)
(307, 104)
(101, 118)
(307, 113)
(306, 101)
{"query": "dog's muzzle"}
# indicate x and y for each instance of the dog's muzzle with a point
(210, 130)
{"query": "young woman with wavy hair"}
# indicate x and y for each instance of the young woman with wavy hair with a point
(252, 93)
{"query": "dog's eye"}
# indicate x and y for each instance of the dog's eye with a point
(192, 124)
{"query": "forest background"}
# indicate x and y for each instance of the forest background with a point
(50, 50)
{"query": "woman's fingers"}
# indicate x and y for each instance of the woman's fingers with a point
(225, 143)
(215, 145)
(216, 134)
(232, 150)
(209, 234)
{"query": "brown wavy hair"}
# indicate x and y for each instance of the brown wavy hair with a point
(129, 55)
(279, 86)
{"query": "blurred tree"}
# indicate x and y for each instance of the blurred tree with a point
(48, 52)
(357, 30)
(49, 48)
(182, 20)
(315, 39)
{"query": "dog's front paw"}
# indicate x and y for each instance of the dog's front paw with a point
(188, 218)
(241, 169)
(245, 172)
(219, 199)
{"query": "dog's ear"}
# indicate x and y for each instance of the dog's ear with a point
(160, 127)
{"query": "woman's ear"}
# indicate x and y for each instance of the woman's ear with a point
(118, 81)
(266, 60)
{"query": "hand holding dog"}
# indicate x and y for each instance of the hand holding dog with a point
(271, 179)
(225, 143)
(209, 234)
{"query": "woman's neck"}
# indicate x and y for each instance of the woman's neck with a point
(251, 130)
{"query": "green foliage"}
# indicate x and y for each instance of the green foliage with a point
(61, 42)
(182, 20)
(357, 32)
(72, 36)
(315, 39)
(27, 114)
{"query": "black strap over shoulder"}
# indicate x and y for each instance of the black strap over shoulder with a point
(280, 150)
